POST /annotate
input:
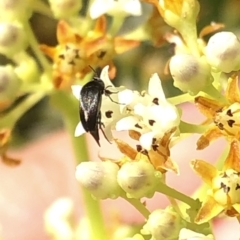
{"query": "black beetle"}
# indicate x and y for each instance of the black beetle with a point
(90, 106)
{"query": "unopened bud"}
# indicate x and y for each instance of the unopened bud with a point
(138, 179)
(12, 38)
(190, 74)
(15, 9)
(100, 178)
(9, 83)
(223, 52)
(162, 224)
(65, 8)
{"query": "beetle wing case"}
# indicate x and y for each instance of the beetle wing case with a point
(90, 106)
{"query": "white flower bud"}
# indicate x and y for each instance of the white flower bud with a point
(15, 9)
(12, 38)
(65, 8)
(138, 179)
(9, 83)
(100, 178)
(162, 224)
(223, 52)
(190, 74)
(186, 234)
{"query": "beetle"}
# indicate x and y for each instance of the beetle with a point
(90, 106)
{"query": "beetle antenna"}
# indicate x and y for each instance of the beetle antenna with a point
(93, 70)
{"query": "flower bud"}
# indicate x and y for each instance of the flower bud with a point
(100, 178)
(190, 74)
(12, 38)
(162, 224)
(9, 83)
(186, 234)
(16, 9)
(138, 179)
(223, 52)
(65, 8)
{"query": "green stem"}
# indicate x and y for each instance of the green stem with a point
(188, 31)
(35, 47)
(183, 98)
(214, 93)
(68, 105)
(13, 116)
(166, 190)
(138, 205)
(191, 128)
(116, 25)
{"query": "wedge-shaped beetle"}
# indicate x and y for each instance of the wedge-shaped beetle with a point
(90, 106)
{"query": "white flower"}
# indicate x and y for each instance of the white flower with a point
(148, 113)
(110, 109)
(186, 234)
(117, 8)
(57, 219)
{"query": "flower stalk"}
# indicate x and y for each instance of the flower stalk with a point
(93, 210)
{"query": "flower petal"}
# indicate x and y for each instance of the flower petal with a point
(232, 160)
(99, 8)
(186, 234)
(126, 96)
(105, 77)
(146, 140)
(126, 123)
(133, 7)
(79, 130)
(155, 88)
(210, 209)
(76, 89)
(205, 170)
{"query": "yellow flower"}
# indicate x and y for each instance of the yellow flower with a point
(158, 155)
(225, 116)
(176, 12)
(224, 192)
(74, 53)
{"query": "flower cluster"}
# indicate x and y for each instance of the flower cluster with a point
(75, 53)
